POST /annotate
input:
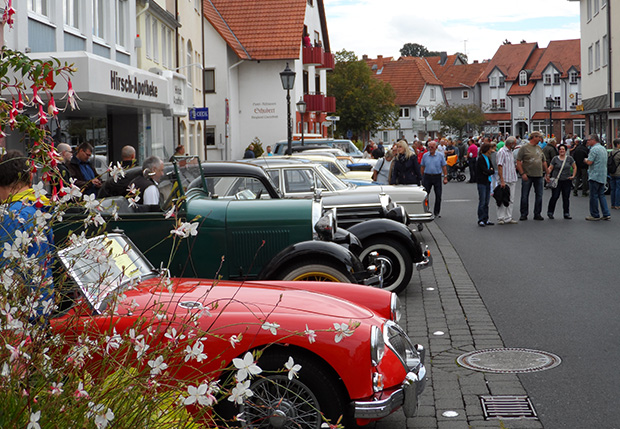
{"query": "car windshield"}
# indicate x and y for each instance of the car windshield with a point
(328, 176)
(103, 265)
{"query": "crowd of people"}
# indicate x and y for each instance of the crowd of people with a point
(496, 165)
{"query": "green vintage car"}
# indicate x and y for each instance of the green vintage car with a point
(237, 238)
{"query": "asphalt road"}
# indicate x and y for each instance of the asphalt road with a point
(550, 286)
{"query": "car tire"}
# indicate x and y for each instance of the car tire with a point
(301, 402)
(398, 262)
(461, 177)
(315, 271)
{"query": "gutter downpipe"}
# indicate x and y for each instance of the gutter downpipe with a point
(228, 149)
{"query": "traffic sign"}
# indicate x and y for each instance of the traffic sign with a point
(198, 113)
(332, 118)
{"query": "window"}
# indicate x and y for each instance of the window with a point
(465, 95)
(556, 78)
(605, 50)
(39, 6)
(521, 101)
(122, 22)
(448, 95)
(210, 136)
(191, 142)
(164, 47)
(547, 79)
(590, 60)
(573, 75)
(597, 55)
(502, 103)
(522, 78)
(557, 102)
(596, 7)
(502, 81)
(404, 112)
(190, 71)
(432, 94)
(148, 37)
(170, 57)
(72, 13)
(589, 9)
(210, 80)
(494, 104)
(493, 81)
(155, 40)
(310, 2)
(98, 18)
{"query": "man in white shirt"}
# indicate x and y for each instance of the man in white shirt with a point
(507, 175)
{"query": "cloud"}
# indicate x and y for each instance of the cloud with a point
(382, 27)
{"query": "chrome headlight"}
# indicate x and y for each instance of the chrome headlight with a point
(386, 202)
(377, 345)
(397, 340)
(326, 226)
(396, 308)
(399, 214)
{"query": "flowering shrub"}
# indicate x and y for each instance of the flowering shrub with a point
(67, 358)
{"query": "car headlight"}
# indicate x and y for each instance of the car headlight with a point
(398, 341)
(386, 202)
(377, 345)
(396, 308)
(399, 214)
(327, 225)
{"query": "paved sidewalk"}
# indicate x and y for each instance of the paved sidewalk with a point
(443, 299)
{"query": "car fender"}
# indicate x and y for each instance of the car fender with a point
(387, 227)
(334, 253)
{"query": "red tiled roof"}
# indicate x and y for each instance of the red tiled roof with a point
(379, 61)
(516, 89)
(453, 76)
(510, 59)
(497, 116)
(563, 54)
(435, 62)
(408, 76)
(259, 30)
(539, 116)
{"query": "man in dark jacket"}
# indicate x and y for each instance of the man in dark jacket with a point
(83, 171)
(580, 153)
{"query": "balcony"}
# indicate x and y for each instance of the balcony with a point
(313, 56)
(315, 102)
(328, 61)
(330, 104)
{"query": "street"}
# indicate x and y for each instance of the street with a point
(547, 286)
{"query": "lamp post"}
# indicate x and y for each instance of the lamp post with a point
(288, 81)
(425, 113)
(301, 108)
(550, 102)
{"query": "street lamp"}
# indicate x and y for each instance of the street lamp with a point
(425, 113)
(301, 108)
(550, 103)
(288, 81)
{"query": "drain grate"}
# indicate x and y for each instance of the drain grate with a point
(507, 407)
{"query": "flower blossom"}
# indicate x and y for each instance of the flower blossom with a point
(195, 352)
(13, 116)
(234, 339)
(185, 229)
(71, 96)
(310, 334)
(102, 415)
(52, 110)
(202, 394)
(7, 16)
(157, 366)
(240, 392)
(56, 388)
(80, 392)
(246, 367)
(292, 367)
(271, 327)
(343, 330)
(116, 171)
(34, 420)
(41, 117)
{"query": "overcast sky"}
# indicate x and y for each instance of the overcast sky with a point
(477, 28)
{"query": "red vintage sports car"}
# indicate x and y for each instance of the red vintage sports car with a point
(340, 345)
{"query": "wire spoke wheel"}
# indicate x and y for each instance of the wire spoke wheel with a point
(278, 402)
(316, 272)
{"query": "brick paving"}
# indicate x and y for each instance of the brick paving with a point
(443, 298)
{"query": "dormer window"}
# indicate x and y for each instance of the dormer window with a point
(502, 81)
(493, 81)
(556, 78)
(547, 78)
(573, 76)
(523, 78)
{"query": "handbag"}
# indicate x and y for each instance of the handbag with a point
(553, 182)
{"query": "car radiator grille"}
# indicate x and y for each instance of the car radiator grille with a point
(348, 216)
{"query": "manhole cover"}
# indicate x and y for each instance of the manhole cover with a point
(508, 360)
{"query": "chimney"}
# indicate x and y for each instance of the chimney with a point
(364, 57)
(475, 61)
(379, 57)
(443, 57)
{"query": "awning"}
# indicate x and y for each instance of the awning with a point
(556, 115)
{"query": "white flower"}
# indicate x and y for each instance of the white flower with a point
(102, 416)
(171, 213)
(113, 342)
(185, 229)
(140, 347)
(157, 366)
(271, 327)
(116, 171)
(22, 239)
(234, 339)
(292, 368)
(173, 336)
(310, 334)
(246, 366)
(202, 395)
(11, 251)
(343, 330)
(34, 421)
(240, 391)
(90, 202)
(195, 352)
(39, 190)
(56, 388)
(80, 392)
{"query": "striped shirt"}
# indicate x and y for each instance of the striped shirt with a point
(506, 159)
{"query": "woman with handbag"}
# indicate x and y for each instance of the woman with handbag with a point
(560, 173)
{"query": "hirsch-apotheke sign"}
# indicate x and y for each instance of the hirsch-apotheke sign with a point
(133, 84)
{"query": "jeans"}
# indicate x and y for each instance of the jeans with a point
(434, 181)
(564, 189)
(597, 195)
(526, 185)
(614, 184)
(484, 196)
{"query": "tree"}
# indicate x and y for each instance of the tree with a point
(416, 50)
(459, 118)
(363, 103)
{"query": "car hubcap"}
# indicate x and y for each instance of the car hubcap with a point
(315, 277)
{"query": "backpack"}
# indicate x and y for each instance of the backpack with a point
(612, 166)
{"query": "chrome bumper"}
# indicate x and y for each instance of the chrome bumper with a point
(427, 261)
(421, 217)
(406, 396)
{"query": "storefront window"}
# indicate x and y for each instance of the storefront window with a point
(84, 130)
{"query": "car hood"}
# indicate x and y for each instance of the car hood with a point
(235, 298)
